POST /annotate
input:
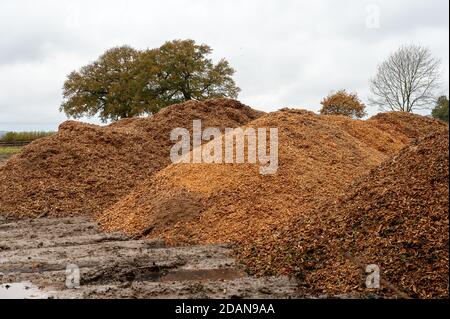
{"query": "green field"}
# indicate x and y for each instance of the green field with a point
(9, 150)
(24, 136)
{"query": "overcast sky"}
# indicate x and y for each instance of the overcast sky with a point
(286, 52)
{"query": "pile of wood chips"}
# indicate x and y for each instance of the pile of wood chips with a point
(320, 217)
(395, 217)
(347, 193)
(84, 168)
(211, 203)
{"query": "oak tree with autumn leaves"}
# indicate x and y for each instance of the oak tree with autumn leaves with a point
(124, 82)
(343, 103)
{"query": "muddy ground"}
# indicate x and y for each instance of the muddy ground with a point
(38, 251)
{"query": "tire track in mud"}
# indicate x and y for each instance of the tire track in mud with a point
(111, 265)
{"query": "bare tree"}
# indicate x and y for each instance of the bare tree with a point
(406, 81)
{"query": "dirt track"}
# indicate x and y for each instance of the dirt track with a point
(114, 266)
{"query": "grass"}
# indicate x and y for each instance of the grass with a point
(24, 136)
(9, 150)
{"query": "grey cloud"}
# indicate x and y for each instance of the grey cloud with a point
(286, 53)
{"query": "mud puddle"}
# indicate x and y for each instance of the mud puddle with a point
(21, 290)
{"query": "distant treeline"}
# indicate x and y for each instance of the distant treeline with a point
(24, 136)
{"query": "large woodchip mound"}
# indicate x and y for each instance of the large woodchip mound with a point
(85, 168)
(210, 203)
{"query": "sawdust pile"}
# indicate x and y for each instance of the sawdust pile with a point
(86, 168)
(395, 217)
(209, 203)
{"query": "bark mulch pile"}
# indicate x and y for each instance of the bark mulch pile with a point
(211, 203)
(395, 217)
(85, 168)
